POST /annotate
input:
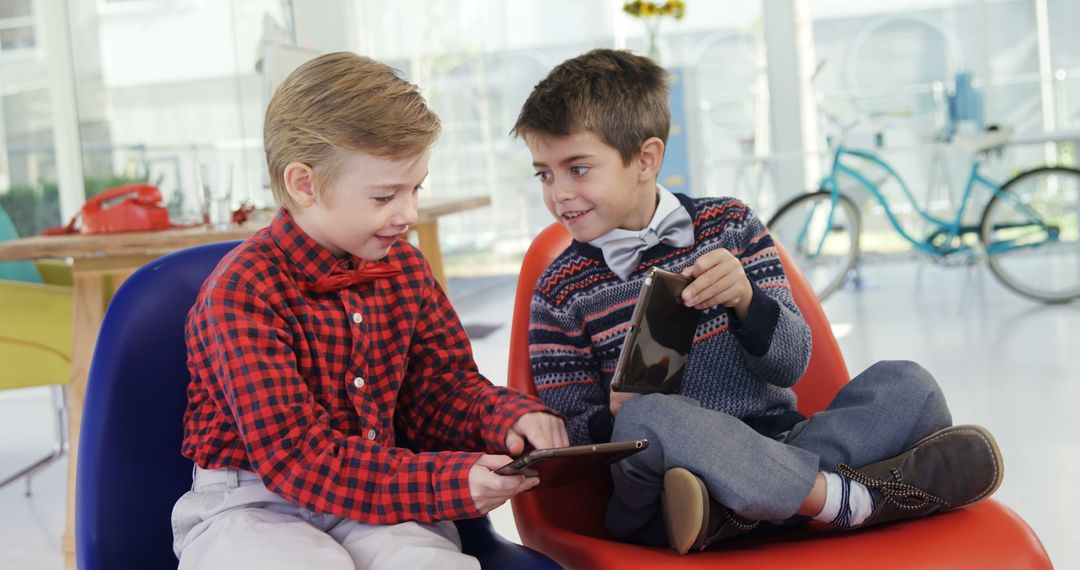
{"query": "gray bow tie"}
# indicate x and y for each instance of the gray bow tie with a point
(623, 254)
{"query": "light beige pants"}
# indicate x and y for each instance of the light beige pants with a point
(230, 520)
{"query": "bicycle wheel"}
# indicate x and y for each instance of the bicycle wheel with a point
(1030, 231)
(822, 236)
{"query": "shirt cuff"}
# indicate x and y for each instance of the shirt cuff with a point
(756, 332)
(453, 498)
(515, 405)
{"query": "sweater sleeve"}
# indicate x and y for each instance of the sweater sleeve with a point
(565, 371)
(774, 338)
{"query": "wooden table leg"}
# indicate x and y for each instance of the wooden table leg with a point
(90, 293)
(87, 312)
(427, 233)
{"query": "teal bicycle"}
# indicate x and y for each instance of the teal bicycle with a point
(1027, 233)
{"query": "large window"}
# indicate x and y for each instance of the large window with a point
(477, 83)
(170, 85)
(16, 25)
(163, 85)
(893, 67)
(28, 191)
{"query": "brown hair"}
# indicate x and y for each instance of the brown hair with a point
(343, 102)
(620, 96)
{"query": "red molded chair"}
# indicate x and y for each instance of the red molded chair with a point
(566, 523)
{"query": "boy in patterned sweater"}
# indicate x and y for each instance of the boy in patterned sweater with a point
(729, 449)
(335, 415)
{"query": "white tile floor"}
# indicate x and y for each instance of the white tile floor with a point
(1004, 362)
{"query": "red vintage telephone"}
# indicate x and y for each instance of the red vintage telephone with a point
(127, 208)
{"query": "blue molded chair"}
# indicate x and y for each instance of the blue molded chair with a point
(130, 470)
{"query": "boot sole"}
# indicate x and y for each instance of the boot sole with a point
(685, 503)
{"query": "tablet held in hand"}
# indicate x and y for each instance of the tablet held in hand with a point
(561, 465)
(657, 347)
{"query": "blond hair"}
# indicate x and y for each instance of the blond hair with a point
(342, 102)
(619, 96)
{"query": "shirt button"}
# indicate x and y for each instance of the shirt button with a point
(358, 382)
(357, 318)
(371, 433)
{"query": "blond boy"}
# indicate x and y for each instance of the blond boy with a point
(336, 417)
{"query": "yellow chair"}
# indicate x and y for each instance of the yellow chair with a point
(35, 338)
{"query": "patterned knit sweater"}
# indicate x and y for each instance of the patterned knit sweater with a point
(581, 311)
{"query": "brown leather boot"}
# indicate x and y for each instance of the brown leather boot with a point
(694, 521)
(949, 469)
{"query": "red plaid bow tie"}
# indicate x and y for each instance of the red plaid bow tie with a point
(340, 278)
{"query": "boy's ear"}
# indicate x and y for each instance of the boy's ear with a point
(300, 183)
(651, 158)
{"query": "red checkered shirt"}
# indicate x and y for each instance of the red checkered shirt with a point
(354, 403)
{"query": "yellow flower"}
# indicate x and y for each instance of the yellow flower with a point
(674, 8)
(640, 9)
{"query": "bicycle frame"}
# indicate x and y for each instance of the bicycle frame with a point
(950, 229)
(1021, 214)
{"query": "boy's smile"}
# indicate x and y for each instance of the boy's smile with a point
(575, 216)
(588, 188)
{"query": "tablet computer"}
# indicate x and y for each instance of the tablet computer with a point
(561, 465)
(661, 333)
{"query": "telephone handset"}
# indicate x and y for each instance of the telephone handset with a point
(127, 208)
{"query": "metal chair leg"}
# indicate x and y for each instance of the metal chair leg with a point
(60, 446)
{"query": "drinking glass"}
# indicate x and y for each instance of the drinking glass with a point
(215, 180)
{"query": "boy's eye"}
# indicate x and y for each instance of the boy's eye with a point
(543, 176)
(579, 170)
(384, 199)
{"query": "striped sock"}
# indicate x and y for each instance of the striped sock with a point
(847, 503)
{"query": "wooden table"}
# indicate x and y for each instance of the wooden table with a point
(101, 262)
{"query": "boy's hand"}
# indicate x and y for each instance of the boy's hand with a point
(617, 399)
(718, 279)
(540, 429)
(490, 490)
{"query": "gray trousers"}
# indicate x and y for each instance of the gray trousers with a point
(876, 415)
(230, 520)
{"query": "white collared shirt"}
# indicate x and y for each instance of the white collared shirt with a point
(668, 203)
